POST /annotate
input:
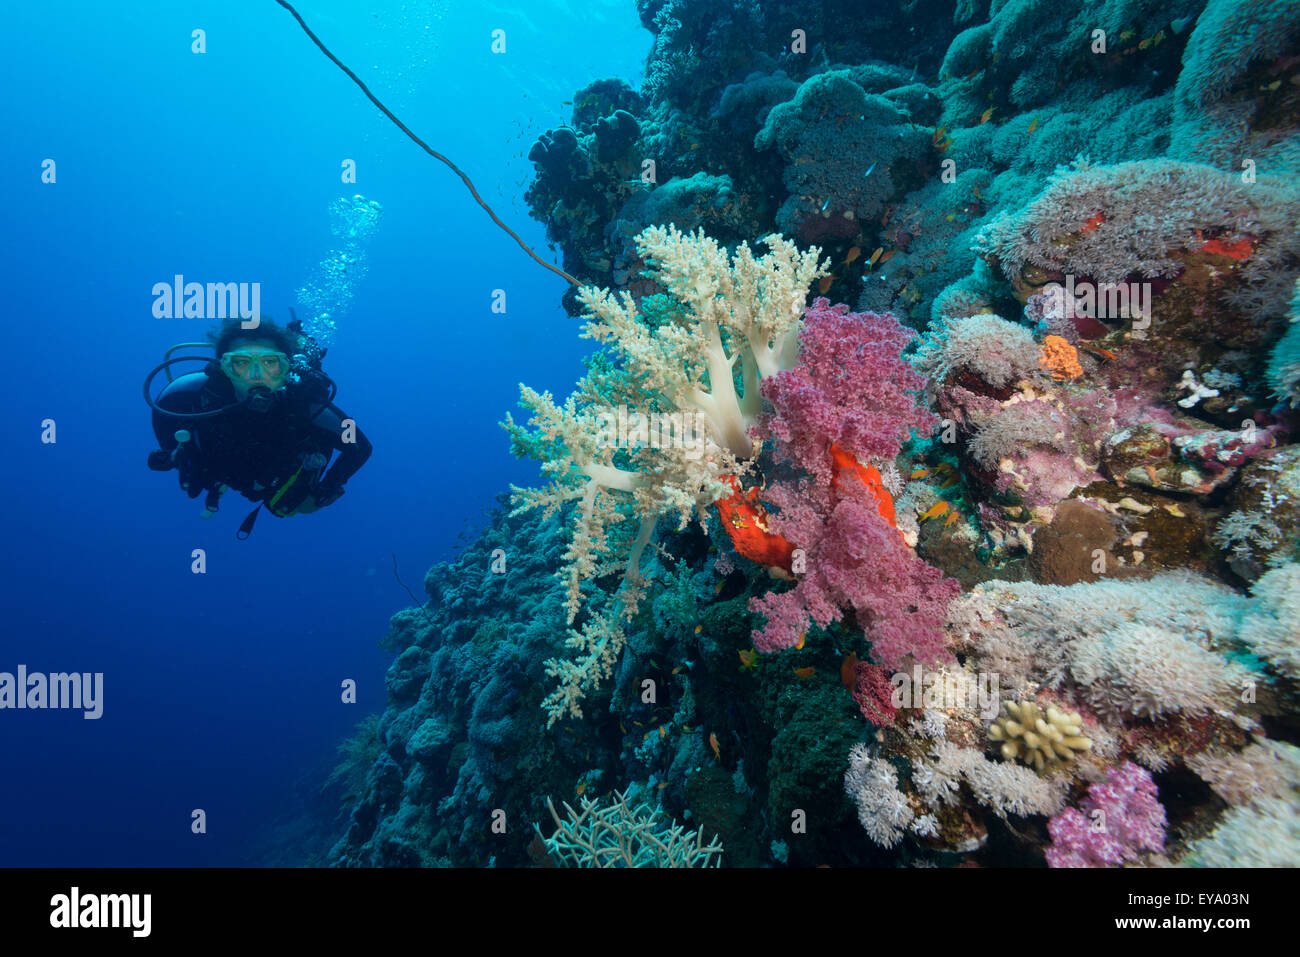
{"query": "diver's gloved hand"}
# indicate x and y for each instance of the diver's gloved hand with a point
(327, 494)
(160, 461)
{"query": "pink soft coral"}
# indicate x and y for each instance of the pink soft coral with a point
(1116, 821)
(852, 388)
(854, 559)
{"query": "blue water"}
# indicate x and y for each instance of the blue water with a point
(222, 690)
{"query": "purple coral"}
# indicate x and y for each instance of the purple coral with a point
(852, 388)
(854, 559)
(1118, 820)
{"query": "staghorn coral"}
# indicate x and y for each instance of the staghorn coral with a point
(1038, 737)
(622, 835)
(738, 323)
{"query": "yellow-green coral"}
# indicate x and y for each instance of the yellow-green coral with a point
(1038, 737)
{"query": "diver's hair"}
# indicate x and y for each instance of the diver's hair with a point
(231, 332)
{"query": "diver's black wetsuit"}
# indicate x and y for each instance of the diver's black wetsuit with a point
(256, 452)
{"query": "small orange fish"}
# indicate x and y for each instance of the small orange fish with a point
(718, 588)
(698, 629)
(798, 645)
(919, 473)
(663, 732)
(1097, 351)
(986, 115)
(713, 743)
(951, 518)
(997, 54)
(1093, 222)
(748, 658)
(582, 787)
(849, 671)
(695, 146)
(950, 217)
(937, 138)
(955, 480)
(875, 256)
(853, 253)
(661, 785)
(824, 283)
(677, 670)
(638, 724)
(979, 198)
(622, 727)
(803, 674)
(889, 255)
(935, 510)
(1033, 125)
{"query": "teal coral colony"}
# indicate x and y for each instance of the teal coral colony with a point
(933, 487)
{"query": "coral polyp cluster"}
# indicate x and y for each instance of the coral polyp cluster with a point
(1037, 736)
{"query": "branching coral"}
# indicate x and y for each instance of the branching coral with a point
(622, 835)
(738, 323)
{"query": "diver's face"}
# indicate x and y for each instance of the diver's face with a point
(252, 364)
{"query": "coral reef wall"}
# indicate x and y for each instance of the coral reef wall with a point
(988, 520)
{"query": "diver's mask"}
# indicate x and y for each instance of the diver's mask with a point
(256, 375)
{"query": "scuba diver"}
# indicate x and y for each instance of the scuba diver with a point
(258, 419)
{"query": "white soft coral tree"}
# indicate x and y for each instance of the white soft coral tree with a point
(738, 319)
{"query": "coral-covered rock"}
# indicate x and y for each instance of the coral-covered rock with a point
(1261, 527)
(1075, 547)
